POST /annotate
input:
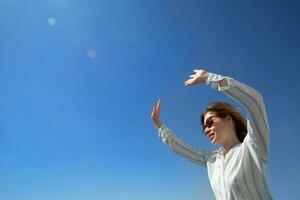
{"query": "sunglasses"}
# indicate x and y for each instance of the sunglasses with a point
(209, 122)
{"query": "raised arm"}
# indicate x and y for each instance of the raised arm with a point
(246, 96)
(176, 145)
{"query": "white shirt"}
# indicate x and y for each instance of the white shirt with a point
(241, 173)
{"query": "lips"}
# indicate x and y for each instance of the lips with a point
(210, 136)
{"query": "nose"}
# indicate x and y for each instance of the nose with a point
(207, 130)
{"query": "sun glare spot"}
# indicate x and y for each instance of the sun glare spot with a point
(91, 53)
(51, 21)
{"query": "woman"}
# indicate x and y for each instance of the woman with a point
(237, 170)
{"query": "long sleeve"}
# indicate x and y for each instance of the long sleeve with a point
(253, 103)
(176, 145)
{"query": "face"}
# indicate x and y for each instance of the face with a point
(217, 129)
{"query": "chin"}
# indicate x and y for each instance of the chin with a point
(213, 141)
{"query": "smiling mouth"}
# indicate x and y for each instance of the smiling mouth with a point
(211, 135)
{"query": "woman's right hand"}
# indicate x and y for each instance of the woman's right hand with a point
(155, 115)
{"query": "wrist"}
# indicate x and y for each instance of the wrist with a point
(158, 125)
(204, 77)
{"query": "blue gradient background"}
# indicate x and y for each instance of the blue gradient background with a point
(77, 128)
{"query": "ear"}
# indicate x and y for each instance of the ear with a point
(229, 119)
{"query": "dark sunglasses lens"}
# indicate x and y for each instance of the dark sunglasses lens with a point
(209, 123)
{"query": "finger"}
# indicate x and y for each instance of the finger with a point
(153, 111)
(157, 112)
(158, 104)
(192, 76)
(188, 82)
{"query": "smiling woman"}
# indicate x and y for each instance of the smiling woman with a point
(224, 110)
(238, 169)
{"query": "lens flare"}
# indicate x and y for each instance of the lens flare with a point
(91, 53)
(51, 21)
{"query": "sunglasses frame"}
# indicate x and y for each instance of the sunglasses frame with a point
(205, 125)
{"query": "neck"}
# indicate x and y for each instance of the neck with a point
(227, 146)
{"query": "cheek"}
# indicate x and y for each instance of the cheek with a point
(219, 129)
(222, 126)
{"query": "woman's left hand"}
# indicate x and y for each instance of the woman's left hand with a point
(200, 76)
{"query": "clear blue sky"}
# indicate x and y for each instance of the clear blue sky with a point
(78, 79)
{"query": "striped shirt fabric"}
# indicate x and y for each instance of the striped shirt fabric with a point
(241, 173)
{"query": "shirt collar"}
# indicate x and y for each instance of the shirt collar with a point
(222, 151)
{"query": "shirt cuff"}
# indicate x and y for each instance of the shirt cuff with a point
(163, 133)
(212, 81)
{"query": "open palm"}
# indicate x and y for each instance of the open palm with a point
(200, 76)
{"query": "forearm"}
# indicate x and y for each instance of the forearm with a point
(177, 146)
